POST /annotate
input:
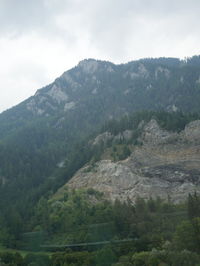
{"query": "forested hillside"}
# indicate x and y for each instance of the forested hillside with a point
(79, 232)
(46, 139)
(124, 232)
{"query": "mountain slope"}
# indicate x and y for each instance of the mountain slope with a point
(46, 139)
(40, 135)
(165, 166)
(83, 98)
(144, 84)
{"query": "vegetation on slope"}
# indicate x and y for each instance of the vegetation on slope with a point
(17, 206)
(154, 232)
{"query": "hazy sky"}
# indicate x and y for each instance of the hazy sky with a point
(40, 39)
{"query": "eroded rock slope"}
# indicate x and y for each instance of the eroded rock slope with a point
(167, 165)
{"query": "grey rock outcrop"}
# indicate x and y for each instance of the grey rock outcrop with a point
(192, 131)
(165, 172)
(153, 134)
(125, 135)
(102, 138)
(160, 168)
(107, 136)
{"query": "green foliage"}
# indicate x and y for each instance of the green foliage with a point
(187, 235)
(72, 259)
(157, 258)
(184, 237)
(140, 259)
(12, 259)
(36, 259)
(193, 206)
(77, 219)
(120, 152)
(150, 225)
(105, 257)
(175, 121)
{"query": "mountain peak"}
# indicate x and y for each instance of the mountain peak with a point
(89, 65)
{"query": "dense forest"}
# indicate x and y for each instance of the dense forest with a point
(146, 233)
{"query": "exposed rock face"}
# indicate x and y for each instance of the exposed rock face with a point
(57, 94)
(69, 106)
(153, 134)
(102, 138)
(88, 65)
(165, 173)
(3, 180)
(192, 131)
(143, 71)
(157, 169)
(40, 103)
(126, 135)
(161, 70)
(106, 136)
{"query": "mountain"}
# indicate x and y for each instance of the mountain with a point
(46, 139)
(42, 130)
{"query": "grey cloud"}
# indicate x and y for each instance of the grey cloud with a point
(116, 25)
(22, 16)
(106, 22)
(115, 30)
(19, 16)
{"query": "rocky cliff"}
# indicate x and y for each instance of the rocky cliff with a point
(167, 165)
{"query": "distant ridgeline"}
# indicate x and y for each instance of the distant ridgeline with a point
(47, 138)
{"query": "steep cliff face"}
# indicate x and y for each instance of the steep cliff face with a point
(167, 165)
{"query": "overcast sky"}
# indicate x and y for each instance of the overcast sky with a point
(40, 39)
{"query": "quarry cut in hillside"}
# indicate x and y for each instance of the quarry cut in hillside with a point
(167, 165)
